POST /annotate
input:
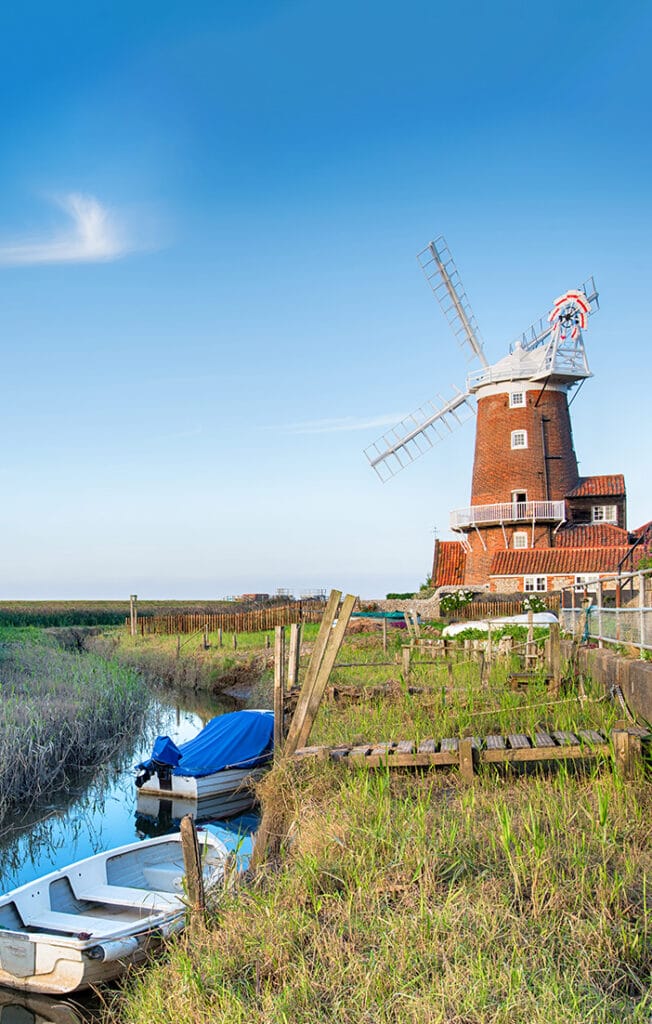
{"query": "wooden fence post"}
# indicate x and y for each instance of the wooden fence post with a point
(133, 614)
(206, 640)
(627, 752)
(192, 865)
(554, 655)
(466, 759)
(220, 637)
(235, 641)
(295, 654)
(406, 656)
(279, 688)
(385, 635)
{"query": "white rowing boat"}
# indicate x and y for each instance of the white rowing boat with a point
(84, 923)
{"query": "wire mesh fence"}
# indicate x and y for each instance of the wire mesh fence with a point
(611, 609)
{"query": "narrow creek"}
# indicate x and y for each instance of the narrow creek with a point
(101, 812)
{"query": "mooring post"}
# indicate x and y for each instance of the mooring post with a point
(627, 752)
(466, 759)
(192, 865)
(279, 688)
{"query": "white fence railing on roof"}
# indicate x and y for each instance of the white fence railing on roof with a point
(614, 609)
(507, 512)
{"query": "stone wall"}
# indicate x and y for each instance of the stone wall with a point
(632, 675)
(427, 609)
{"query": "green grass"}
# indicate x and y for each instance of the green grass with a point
(410, 897)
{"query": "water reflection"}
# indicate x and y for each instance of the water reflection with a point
(21, 1008)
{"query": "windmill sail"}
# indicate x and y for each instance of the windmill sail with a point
(418, 433)
(442, 275)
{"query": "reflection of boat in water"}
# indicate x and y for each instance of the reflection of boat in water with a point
(82, 924)
(30, 1008)
(157, 815)
(229, 753)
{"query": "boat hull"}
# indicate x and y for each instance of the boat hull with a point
(230, 782)
(86, 923)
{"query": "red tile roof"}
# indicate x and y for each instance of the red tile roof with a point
(612, 485)
(640, 530)
(556, 561)
(594, 535)
(450, 561)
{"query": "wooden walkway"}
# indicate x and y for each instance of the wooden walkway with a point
(467, 753)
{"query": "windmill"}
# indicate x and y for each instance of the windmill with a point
(524, 462)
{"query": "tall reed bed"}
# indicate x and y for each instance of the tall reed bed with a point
(61, 712)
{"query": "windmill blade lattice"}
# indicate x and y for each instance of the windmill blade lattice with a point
(443, 277)
(418, 433)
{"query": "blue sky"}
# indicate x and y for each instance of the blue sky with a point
(210, 303)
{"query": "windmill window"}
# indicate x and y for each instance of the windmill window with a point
(520, 539)
(516, 399)
(519, 438)
(535, 583)
(604, 514)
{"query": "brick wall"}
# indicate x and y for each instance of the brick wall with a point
(498, 470)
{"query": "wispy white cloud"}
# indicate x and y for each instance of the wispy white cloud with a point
(94, 235)
(344, 423)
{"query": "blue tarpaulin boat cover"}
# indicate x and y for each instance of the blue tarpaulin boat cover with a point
(241, 739)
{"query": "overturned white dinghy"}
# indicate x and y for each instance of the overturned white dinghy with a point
(222, 760)
(84, 923)
(538, 619)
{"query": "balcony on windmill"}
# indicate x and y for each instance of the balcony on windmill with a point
(508, 512)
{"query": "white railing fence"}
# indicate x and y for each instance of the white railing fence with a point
(615, 609)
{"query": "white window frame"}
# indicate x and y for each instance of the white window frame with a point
(535, 584)
(604, 514)
(517, 399)
(515, 436)
(587, 581)
(522, 536)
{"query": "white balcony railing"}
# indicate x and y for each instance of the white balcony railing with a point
(508, 512)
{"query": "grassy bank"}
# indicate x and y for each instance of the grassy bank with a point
(62, 712)
(409, 897)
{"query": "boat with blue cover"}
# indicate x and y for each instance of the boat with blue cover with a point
(229, 753)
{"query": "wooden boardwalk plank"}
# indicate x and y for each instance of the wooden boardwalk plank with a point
(451, 743)
(405, 747)
(591, 736)
(518, 741)
(382, 748)
(339, 753)
(427, 747)
(495, 742)
(360, 751)
(543, 739)
(568, 739)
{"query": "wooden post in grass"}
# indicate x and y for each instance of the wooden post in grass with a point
(192, 865)
(279, 688)
(466, 759)
(133, 614)
(554, 655)
(235, 641)
(206, 640)
(406, 657)
(627, 752)
(328, 643)
(530, 653)
(385, 635)
(294, 656)
(220, 638)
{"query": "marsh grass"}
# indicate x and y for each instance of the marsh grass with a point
(62, 712)
(407, 897)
